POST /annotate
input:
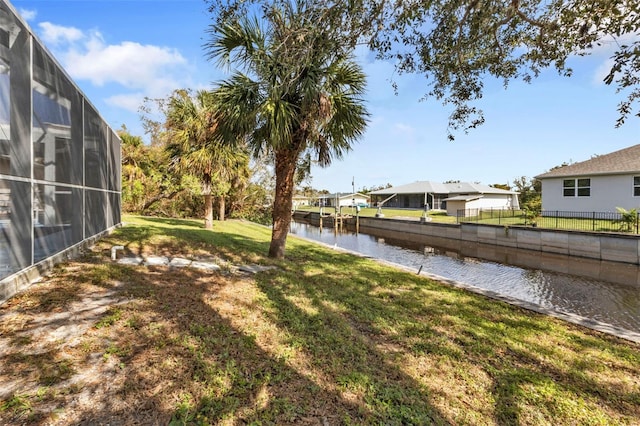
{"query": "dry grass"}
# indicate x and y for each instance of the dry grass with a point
(326, 338)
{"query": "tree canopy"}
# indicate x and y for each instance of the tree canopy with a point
(186, 165)
(196, 148)
(456, 44)
(295, 91)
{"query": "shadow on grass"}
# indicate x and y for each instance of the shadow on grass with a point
(178, 360)
(359, 308)
(186, 238)
(327, 339)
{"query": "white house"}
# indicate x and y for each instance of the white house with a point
(597, 185)
(300, 201)
(446, 196)
(341, 199)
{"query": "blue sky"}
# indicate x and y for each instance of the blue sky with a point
(119, 51)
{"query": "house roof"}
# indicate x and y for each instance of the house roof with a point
(624, 161)
(463, 198)
(342, 195)
(426, 186)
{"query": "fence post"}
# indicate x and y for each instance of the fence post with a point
(637, 220)
(593, 221)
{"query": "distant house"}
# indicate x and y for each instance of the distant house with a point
(301, 200)
(597, 185)
(342, 199)
(445, 196)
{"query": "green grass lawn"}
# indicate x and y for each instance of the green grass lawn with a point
(389, 213)
(326, 338)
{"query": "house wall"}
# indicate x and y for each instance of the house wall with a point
(407, 201)
(488, 201)
(300, 202)
(454, 206)
(492, 201)
(345, 202)
(60, 163)
(607, 193)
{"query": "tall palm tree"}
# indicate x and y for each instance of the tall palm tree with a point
(196, 148)
(295, 91)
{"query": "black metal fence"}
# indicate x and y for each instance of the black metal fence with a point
(577, 221)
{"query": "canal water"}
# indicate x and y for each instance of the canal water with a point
(613, 296)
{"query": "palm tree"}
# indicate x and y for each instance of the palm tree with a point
(296, 90)
(196, 148)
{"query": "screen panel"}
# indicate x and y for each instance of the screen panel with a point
(57, 123)
(95, 149)
(96, 204)
(15, 226)
(57, 220)
(15, 83)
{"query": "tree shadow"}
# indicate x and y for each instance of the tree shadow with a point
(349, 356)
(509, 345)
(188, 240)
(170, 356)
(330, 347)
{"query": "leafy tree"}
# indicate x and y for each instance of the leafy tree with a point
(628, 219)
(296, 91)
(307, 191)
(364, 190)
(196, 148)
(146, 178)
(529, 194)
(504, 186)
(458, 43)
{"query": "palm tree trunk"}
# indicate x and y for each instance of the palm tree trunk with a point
(285, 171)
(208, 201)
(221, 208)
(208, 211)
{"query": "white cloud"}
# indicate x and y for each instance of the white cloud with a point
(56, 34)
(602, 71)
(405, 133)
(405, 129)
(130, 101)
(608, 44)
(28, 15)
(139, 69)
(129, 64)
(607, 47)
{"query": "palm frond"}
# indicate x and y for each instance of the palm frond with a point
(305, 92)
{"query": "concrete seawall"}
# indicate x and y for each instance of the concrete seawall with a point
(610, 247)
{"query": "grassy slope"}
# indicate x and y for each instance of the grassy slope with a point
(327, 338)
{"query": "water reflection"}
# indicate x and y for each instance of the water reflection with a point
(604, 291)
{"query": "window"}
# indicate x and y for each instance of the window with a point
(580, 187)
(584, 187)
(569, 188)
(636, 186)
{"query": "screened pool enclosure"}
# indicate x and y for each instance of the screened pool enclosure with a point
(59, 160)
